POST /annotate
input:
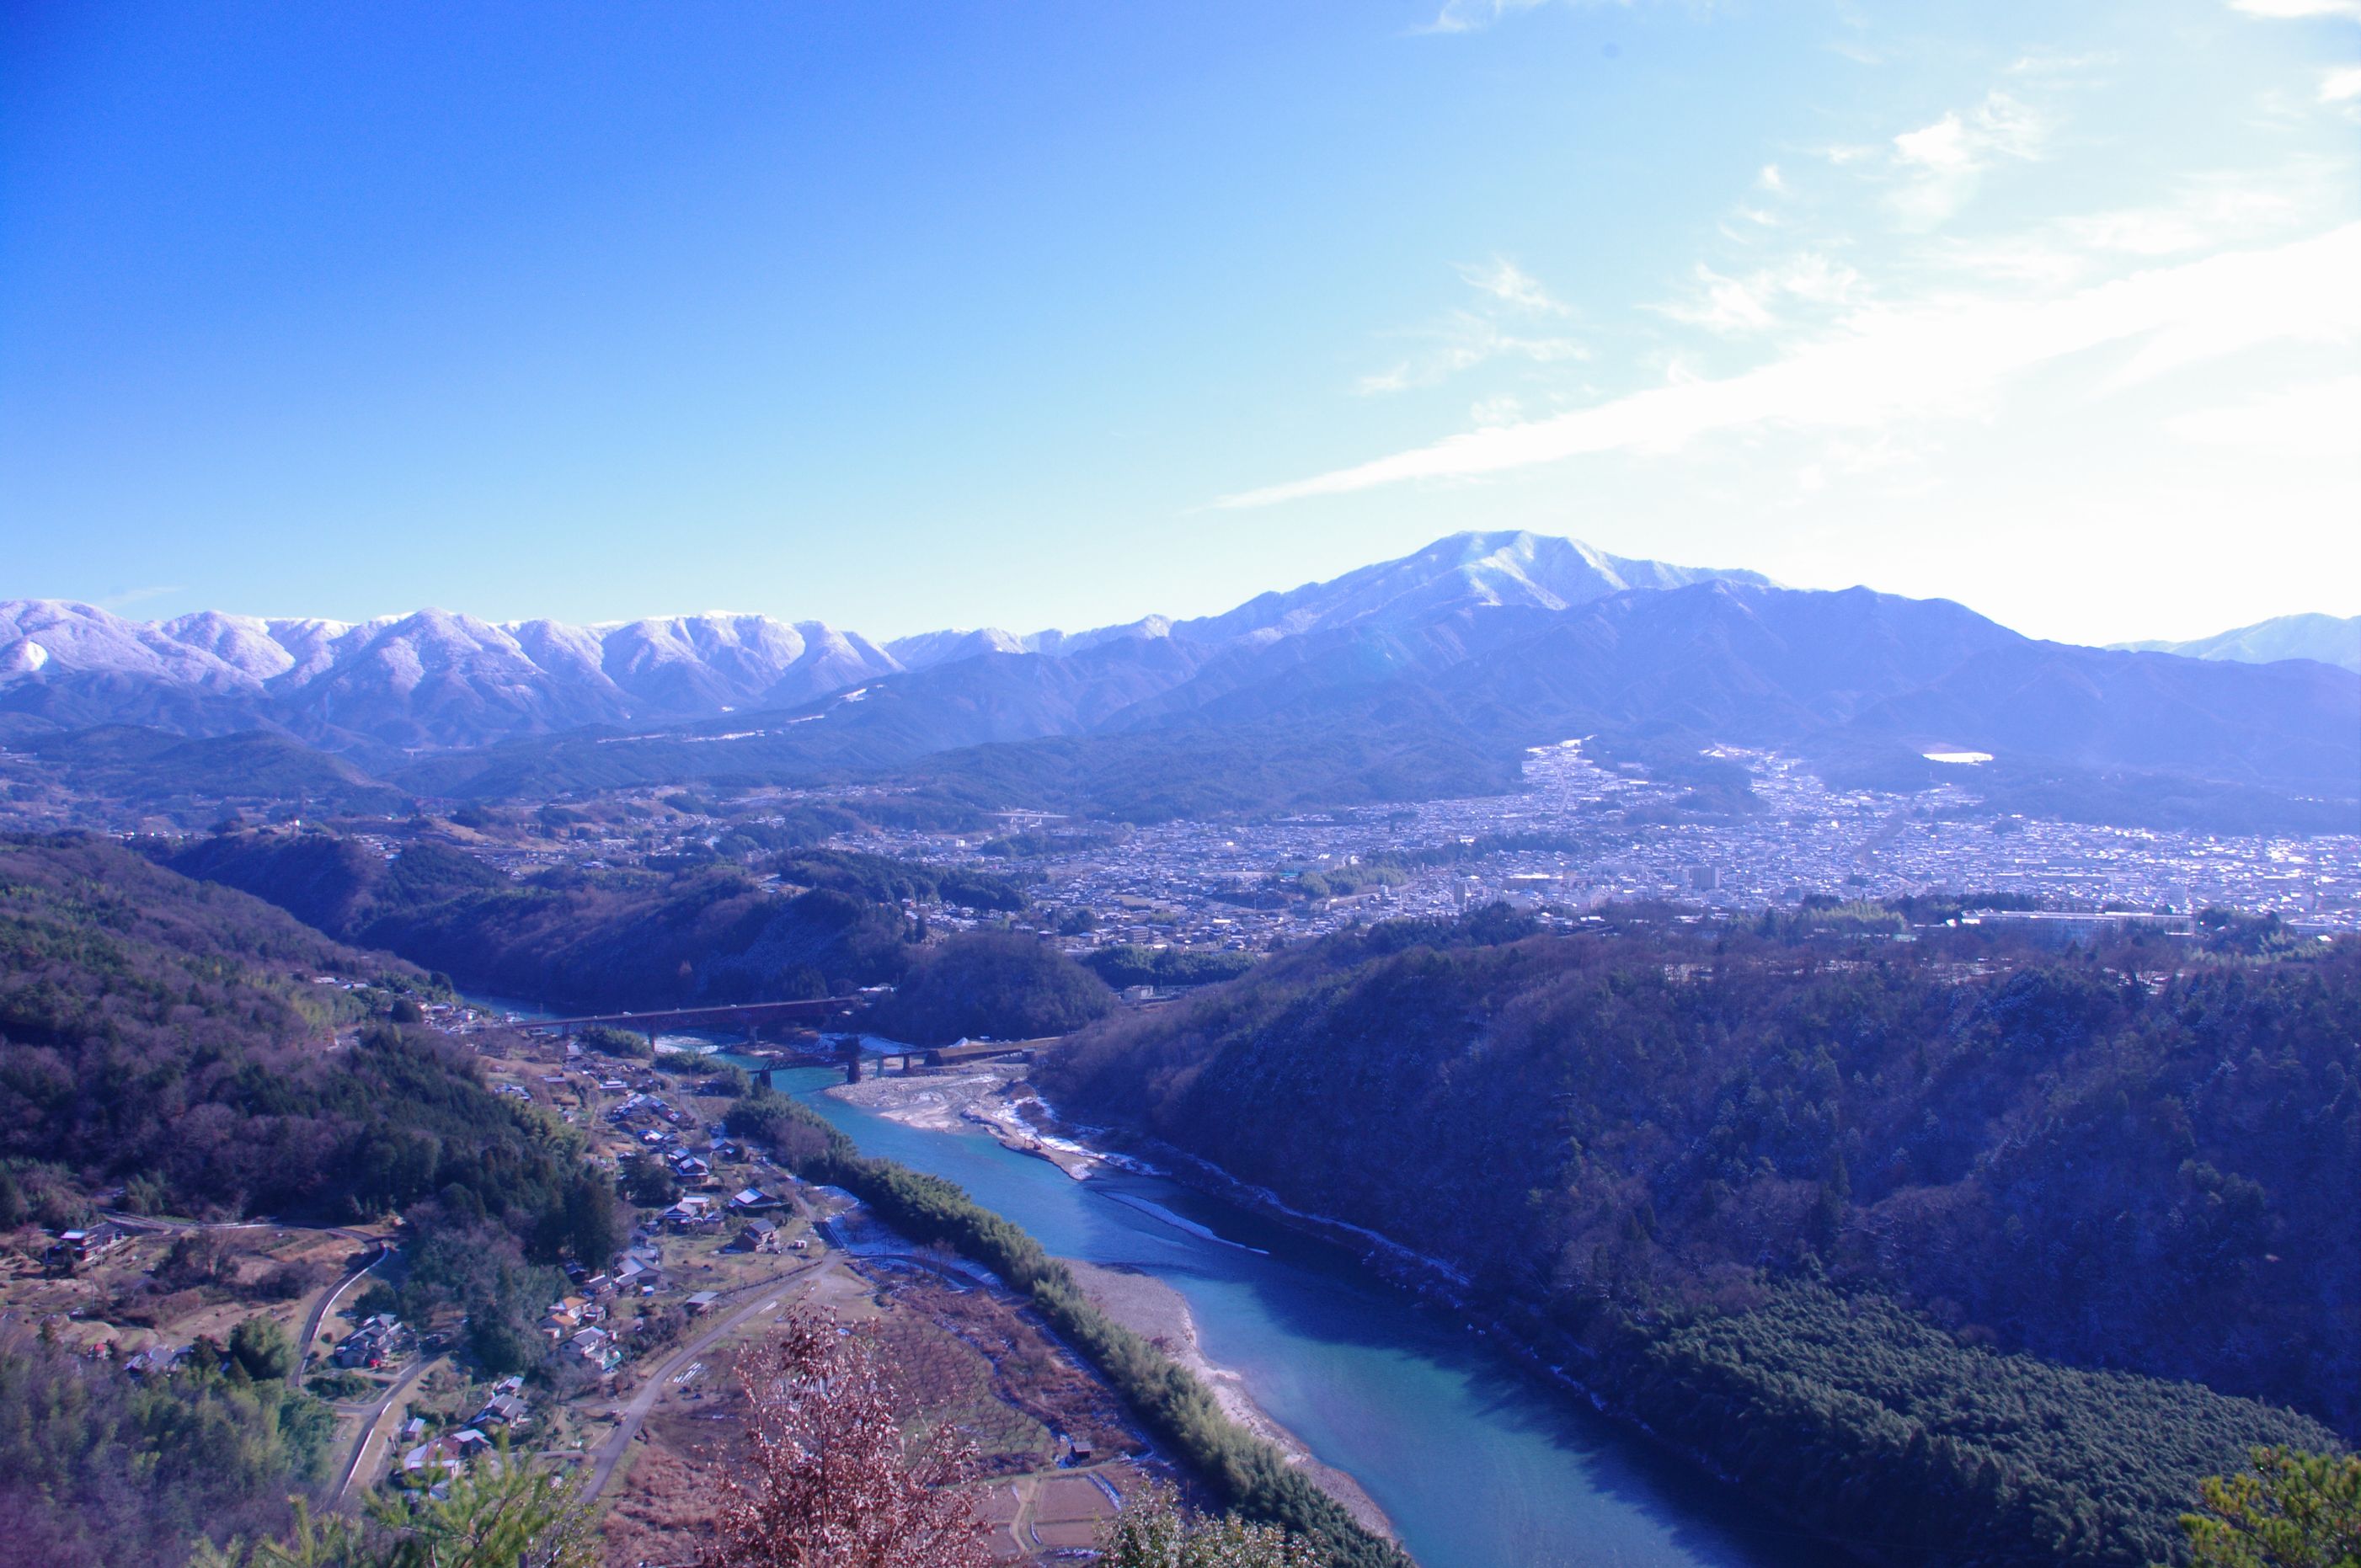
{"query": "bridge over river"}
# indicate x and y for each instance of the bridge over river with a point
(749, 1018)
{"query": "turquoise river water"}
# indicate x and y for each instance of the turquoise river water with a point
(1476, 1464)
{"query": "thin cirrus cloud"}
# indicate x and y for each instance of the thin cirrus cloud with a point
(2342, 85)
(1887, 364)
(1511, 285)
(2291, 10)
(1735, 306)
(1943, 163)
(1508, 300)
(1470, 16)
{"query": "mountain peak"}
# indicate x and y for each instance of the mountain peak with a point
(2330, 639)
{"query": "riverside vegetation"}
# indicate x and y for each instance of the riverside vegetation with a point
(1788, 1193)
(1250, 1475)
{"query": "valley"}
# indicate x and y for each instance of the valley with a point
(1343, 1064)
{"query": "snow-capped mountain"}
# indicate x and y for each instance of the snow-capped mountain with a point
(422, 680)
(1466, 571)
(434, 679)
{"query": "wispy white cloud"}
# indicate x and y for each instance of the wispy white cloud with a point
(1944, 163)
(1734, 306)
(2203, 212)
(1465, 341)
(1771, 180)
(2054, 66)
(1469, 16)
(2318, 419)
(1886, 365)
(2291, 10)
(1473, 16)
(1511, 285)
(1504, 409)
(1500, 326)
(2340, 86)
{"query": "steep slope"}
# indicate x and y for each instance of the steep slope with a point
(2328, 639)
(1777, 1193)
(1464, 571)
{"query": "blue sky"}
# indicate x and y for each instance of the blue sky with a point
(902, 316)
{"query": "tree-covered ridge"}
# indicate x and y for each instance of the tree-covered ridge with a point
(588, 940)
(1131, 964)
(169, 1034)
(1642, 1143)
(1850, 1410)
(2148, 1160)
(880, 879)
(993, 985)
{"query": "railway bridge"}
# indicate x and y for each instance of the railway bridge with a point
(749, 1018)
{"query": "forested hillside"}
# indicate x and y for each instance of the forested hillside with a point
(171, 1036)
(592, 940)
(100, 1470)
(2144, 1159)
(215, 1059)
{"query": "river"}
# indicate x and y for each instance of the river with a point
(1476, 1466)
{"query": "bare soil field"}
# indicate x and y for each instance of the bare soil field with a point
(968, 1357)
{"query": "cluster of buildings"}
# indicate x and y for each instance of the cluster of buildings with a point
(437, 1458)
(1581, 834)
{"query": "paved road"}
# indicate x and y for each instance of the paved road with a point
(377, 1418)
(767, 1295)
(320, 1311)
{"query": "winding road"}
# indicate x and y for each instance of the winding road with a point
(767, 1299)
(320, 1311)
(377, 1418)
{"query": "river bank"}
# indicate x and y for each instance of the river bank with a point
(1158, 1313)
(1474, 1460)
(990, 1098)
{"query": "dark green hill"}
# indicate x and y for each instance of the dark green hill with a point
(2145, 1162)
(591, 940)
(173, 1035)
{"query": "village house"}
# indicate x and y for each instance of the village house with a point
(758, 1235)
(502, 1410)
(377, 1341)
(76, 1247)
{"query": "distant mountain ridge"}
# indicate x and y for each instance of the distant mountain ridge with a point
(436, 680)
(2330, 639)
(1415, 678)
(427, 680)
(1464, 571)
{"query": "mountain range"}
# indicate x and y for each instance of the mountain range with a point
(1411, 678)
(2330, 639)
(435, 680)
